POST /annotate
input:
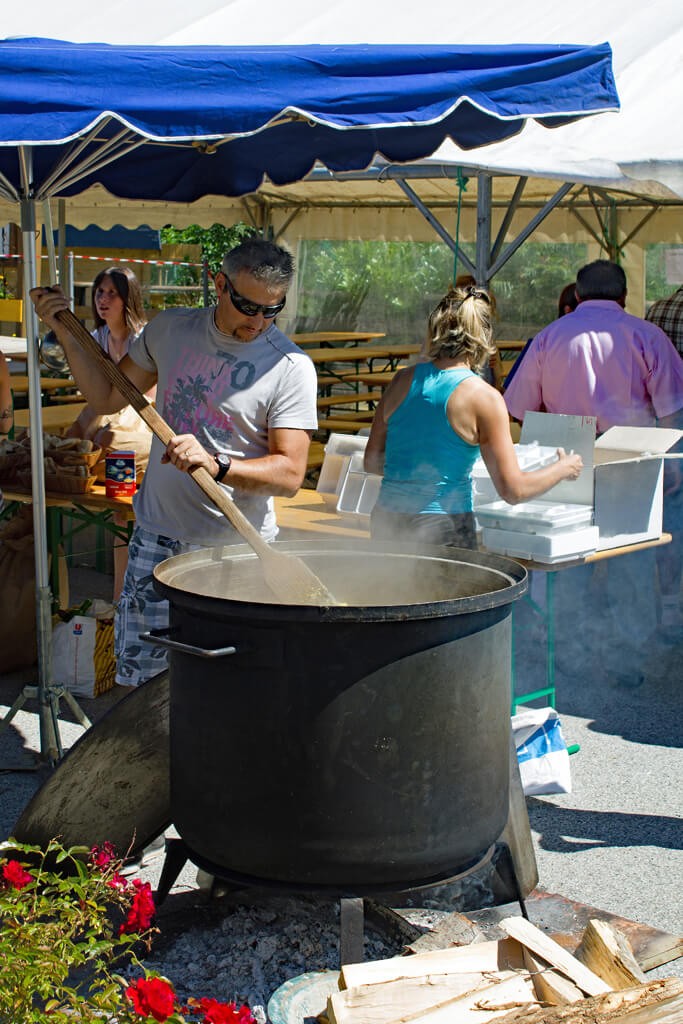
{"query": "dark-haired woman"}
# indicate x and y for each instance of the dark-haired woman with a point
(119, 317)
(433, 421)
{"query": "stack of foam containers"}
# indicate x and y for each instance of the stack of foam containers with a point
(358, 491)
(343, 481)
(540, 530)
(338, 452)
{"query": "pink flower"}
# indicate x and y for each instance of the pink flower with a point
(102, 856)
(14, 875)
(142, 909)
(224, 1013)
(152, 997)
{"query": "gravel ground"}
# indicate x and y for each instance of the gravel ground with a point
(615, 842)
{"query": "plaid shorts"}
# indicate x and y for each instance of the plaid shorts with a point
(141, 608)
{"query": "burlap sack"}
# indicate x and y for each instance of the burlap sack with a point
(18, 643)
(121, 431)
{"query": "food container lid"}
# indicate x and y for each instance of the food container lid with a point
(541, 515)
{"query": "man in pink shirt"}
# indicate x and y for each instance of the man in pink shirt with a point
(600, 361)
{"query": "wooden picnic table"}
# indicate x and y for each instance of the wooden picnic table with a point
(379, 378)
(19, 383)
(390, 354)
(324, 339)
(54, 417)
(510, 346)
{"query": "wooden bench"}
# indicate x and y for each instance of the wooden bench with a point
(345, 425)
(349, 398)
(316, 455)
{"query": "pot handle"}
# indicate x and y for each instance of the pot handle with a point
(160, 637)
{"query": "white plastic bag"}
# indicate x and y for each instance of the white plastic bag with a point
(541, 752)
(83, 651)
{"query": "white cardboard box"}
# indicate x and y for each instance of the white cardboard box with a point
(622, 476)
(338, 452)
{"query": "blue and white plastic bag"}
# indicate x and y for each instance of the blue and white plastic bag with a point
(541, 752)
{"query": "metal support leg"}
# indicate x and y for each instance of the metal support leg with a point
(52, 696)
(351, 931)
(176, 859)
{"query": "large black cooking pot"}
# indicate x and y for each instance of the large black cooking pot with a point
(352, 748)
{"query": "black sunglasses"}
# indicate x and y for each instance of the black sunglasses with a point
(253, 308)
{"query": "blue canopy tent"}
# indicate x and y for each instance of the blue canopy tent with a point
(179, 123)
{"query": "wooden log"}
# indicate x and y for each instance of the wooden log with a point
(542, 945)
(608, 954)
(481, 1005)
(658, 1002)
(505, 954)
(383, 1002)
(454, 930)
(550, 986)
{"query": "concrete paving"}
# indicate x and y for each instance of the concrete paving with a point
(614, 842)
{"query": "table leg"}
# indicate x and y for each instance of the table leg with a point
(54, 532)
(547, 616)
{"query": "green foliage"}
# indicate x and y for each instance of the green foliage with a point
(657, 283)
(393, 286)
(66, 924)
(5, 290)
(58, 939)
(215, 241)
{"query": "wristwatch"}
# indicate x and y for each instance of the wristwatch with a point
(224, 462)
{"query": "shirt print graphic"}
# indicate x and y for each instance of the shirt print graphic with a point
(199, 385)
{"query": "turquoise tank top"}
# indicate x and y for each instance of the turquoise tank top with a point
(427, 466)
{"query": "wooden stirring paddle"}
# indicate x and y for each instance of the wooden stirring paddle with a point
(288, 577)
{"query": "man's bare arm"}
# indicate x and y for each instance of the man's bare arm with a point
(281, 472)
(91, 380)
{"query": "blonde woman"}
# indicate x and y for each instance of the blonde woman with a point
(433, 421)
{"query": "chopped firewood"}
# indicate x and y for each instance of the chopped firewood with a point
(550, 986)
(608, 954)
(478, 1007)
(658, 1002)
(542, 945)
(377, 1004)
(454, 930)
(506, 954)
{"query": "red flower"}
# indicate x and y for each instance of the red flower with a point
(117, 881)
(224, 1013)
(102, 856)
(142, 909)
(14, 875)
(152, 997)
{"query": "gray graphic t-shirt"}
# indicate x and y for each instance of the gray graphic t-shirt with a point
(228, 393)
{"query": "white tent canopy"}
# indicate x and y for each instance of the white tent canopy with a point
(634, 157)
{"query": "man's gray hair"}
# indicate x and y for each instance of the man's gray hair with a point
(264, 260)
(601, 279)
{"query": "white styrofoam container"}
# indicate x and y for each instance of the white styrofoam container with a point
(536, 516)
(358, 491)
(529, 457)
(556, 546)
(622, 478)
(338, 451)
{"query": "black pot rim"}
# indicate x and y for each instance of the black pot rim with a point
(167, 573)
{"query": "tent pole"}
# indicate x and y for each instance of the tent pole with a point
(50, 747)
(48, 696)
(483, 245)
(61, 241)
